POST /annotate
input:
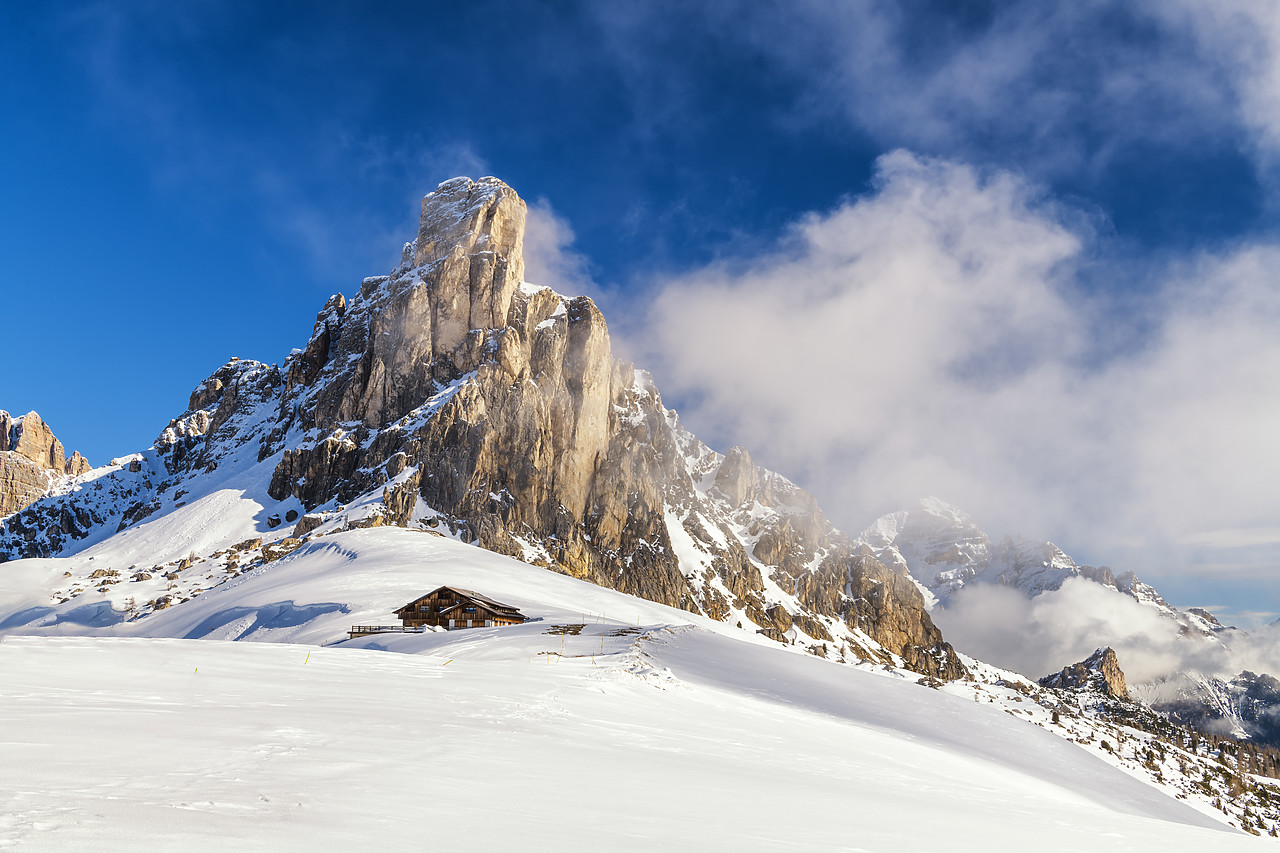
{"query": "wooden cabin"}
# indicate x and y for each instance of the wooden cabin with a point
(450, 607)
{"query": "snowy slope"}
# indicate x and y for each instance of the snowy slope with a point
(610, 721)
(227, 745)
(606, 721)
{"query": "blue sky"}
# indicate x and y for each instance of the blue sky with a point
(1060, 219)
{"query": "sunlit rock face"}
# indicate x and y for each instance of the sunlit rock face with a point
(1099, 672)
(31, 459)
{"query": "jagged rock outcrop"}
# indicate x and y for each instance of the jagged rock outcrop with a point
(454, 393)
(1099, 672)
(31, 457)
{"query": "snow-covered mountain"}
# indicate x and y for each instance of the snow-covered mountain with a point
(453, 395)
(1245, 706)
(942, 548)
(606, 721)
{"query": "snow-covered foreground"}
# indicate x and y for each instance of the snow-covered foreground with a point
(180, 744)
(607, 723)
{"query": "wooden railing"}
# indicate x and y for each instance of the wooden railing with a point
(362, 630)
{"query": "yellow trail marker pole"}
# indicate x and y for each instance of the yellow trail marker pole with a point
(304, 663)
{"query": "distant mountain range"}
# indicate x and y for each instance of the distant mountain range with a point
(945, 552)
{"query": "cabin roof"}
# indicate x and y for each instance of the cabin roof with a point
(483, 600)
(480, 605)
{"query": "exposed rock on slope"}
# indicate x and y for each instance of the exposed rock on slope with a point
(1100, 672)
(31, 458)
(452, 394)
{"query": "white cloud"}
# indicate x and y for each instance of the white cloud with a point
(1055, 629)
(1062, 87)
(1042, 635)
(932, 337)
(548, 257)
(1242, 38)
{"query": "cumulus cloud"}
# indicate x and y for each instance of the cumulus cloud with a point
(1055, 629)
(1041, 635)
(935, 337)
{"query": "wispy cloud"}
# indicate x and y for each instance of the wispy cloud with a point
(1240, 38)
(1060, 88)
(549, 256)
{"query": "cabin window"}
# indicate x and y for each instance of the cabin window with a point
(468, 610)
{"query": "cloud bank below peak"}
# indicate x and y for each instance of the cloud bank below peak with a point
(938, 336)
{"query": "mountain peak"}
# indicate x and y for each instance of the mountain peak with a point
(447, 395)
(941, 509)
(30, 458)
(462, 216)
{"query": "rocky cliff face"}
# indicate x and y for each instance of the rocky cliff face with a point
(451, 394)
(31, 458)
(1099, 672)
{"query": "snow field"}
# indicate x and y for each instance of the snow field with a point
(608, 723)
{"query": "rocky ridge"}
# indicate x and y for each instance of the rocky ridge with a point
(1100, 671)
(1244, 706)
(946, 551)
(450, 395)
(31, 460)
